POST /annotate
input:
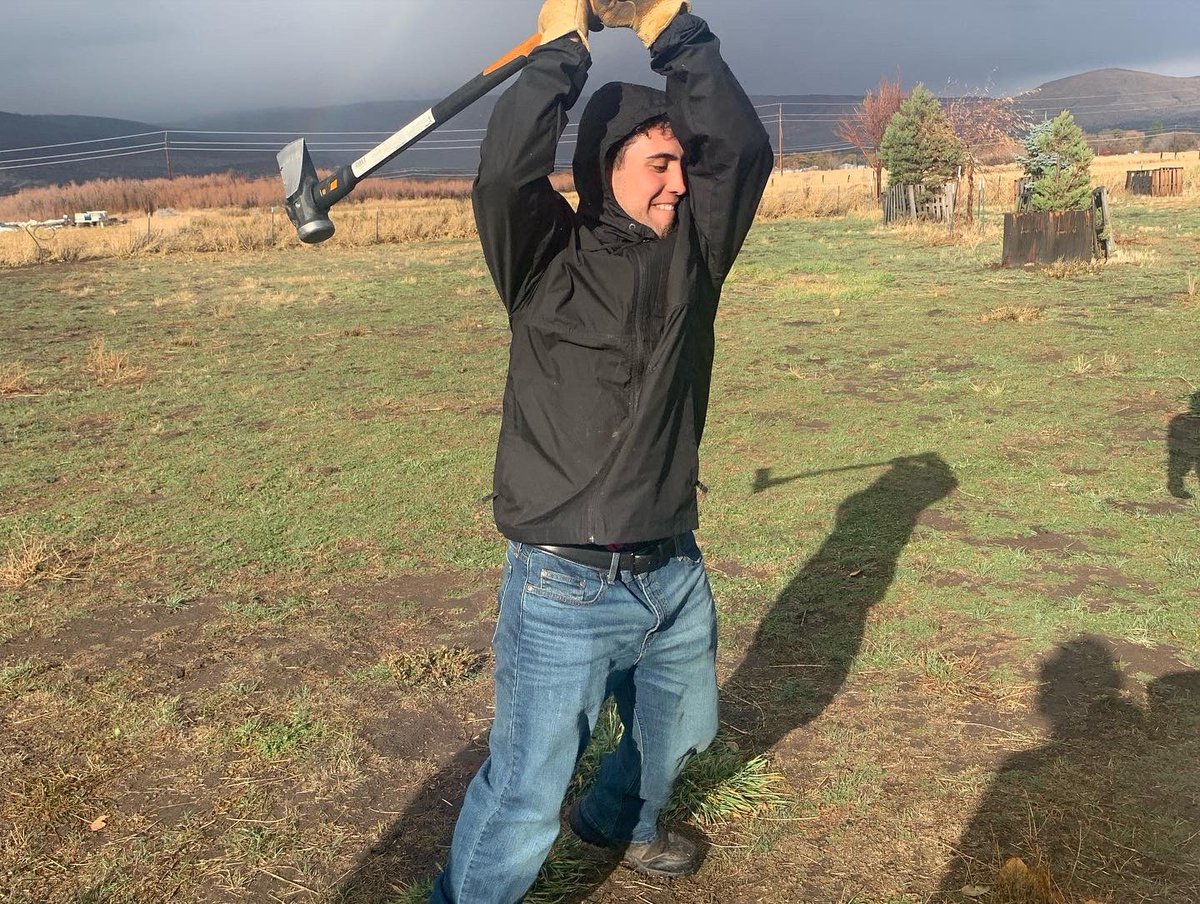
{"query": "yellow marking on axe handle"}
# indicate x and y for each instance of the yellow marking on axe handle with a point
(523, 49)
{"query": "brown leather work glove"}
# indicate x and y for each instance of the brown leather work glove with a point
(649, 18)
(564, 17)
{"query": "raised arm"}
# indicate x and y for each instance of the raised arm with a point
(729, 156)
(523, 222)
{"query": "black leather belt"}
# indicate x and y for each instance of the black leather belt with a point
(644, 558)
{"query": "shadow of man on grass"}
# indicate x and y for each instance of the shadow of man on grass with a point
(1108, 809)
(818, 619)
(1183, 449)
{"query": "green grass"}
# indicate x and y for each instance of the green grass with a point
(277, 739)
(314, 429)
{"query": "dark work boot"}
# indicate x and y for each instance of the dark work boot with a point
(669, 855)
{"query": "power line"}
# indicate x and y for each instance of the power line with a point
(77, 154)
(154, 150)
(64, 144)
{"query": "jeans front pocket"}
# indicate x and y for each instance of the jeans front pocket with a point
(562, 581)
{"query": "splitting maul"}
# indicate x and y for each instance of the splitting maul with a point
(308, 198)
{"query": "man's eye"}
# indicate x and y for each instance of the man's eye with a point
(658, 168)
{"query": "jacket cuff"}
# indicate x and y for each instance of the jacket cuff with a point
(684, 28)
(568, 44)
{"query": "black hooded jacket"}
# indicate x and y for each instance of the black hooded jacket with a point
(612, 327)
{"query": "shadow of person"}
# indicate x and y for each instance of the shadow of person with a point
(818, 618)
(1107, 810)
(1183, 448)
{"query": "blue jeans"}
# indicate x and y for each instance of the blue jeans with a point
(567, 638)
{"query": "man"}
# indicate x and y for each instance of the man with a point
(611, 309)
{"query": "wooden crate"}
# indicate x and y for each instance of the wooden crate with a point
(1046, 237)
(1164, 182)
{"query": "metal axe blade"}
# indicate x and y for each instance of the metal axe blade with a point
(308, 198)
(299, 178)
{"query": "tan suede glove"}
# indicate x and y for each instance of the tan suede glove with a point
(649, 18)
(564, 17)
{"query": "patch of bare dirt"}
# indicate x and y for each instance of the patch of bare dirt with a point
(1170, 507)
(941, 522)
(883, 395)
(1042, 540)
(731, 568)
(1081, 472)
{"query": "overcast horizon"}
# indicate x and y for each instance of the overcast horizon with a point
(182, 59)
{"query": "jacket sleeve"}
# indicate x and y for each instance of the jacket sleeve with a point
(728, 152)
(523, 222)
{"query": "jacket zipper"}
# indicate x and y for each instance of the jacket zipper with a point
(639, 338)
(639, 364)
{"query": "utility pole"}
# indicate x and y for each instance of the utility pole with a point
(167, 152)
(781, 139)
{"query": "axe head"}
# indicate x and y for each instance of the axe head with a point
(299, 178)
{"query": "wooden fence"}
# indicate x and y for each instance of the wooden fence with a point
(903, 202)
(1159, 183)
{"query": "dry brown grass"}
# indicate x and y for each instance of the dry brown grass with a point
(1013, 313)
(14, 379)
(226, 213)
(33, 559)
(133, 197)
(1070, 269)
(938, 234)
(110, 368)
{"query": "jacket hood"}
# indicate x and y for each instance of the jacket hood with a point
(613, 114)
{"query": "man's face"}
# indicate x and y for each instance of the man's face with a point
(648, 182)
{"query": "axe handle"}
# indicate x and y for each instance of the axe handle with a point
(332, 189)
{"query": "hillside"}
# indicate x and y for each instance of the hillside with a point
(1119, 98)
(247, 142)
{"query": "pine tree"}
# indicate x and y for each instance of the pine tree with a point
(1057, 161)
(919, 146)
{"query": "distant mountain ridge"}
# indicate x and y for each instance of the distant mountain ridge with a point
(1102, 99)
(1119, 98)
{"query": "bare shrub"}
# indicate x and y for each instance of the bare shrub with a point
(865, 126)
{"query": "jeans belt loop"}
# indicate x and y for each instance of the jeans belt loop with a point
(615, 568)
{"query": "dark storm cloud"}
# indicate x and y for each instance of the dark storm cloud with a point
(165, 60)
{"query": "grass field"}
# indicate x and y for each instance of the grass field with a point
(247, 580)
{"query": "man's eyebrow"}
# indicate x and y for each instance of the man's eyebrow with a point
(664, 155)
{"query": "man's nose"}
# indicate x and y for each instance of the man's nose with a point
(677, 184)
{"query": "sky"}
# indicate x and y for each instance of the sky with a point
(164, 61)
